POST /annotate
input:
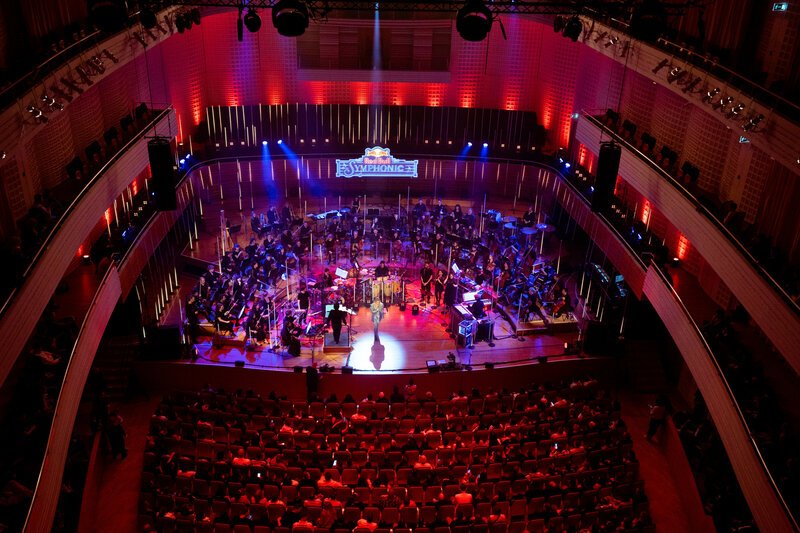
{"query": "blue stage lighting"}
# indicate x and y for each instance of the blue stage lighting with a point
(263, 143)
(183, 161)
(567, 165)
(469, 143)
(486, 145)
(280, 141)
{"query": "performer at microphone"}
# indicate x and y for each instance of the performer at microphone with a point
(426, 278)
(289, 337)
(439, 287)
(378, 312)
(336, 318)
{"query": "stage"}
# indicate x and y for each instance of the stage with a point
(406, 342)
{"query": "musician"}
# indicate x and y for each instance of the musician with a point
(378, 312)
(327, 279)
(529, 218)
(272, 216)
(440, 210)
(440, 285)
(303, 298)
(336, 318)
(330, 246)
(477, 307)
(469, 218)
(255, 222)
(534, 305)
(419, 209)
(356, 206)
(457, 213)
(382, 271)
(290, 336)
(286, 214)
(451, 292)
(426, 279)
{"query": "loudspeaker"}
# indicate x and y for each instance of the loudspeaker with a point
(402, 306)
(415, 309)
(607, 170)
(347, 370)
(239, 363)
(596, 340)
(162, 168)
(432, 365)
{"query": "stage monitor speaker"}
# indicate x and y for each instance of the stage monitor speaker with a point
(595, 341)
(239, 363)
(607, 170)
(162, 168)
(432, 365)
(347, 369)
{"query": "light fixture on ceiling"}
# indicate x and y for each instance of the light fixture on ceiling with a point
(290, 17)
(474, 21)
(37, 114)
(573, 28)
(252, 21)
(753, 123)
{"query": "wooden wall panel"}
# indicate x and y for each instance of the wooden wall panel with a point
(48, 489)
(28, 304)
(773, 314)
(753, 478)
(147, 242)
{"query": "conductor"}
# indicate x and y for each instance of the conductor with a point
(336, 318)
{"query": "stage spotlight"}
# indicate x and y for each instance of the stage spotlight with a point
(573, 29)
(735, 110)
(264, 143)
(37, 114)
(473, 21)
(711, 94)
(148, 18)
(612, 41)
(486, 145)
(753, 122)
(290, 17)
(3, 154)
(469, 143)
(722, 103)
(280, 141)
(252, 21)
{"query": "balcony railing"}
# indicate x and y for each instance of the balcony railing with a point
(709, 387)
(720, 226)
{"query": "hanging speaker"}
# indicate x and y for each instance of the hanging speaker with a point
(162, 168)
(607, 170)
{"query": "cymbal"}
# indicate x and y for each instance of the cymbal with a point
(528, 230)
(545, 227)
(510, 225)
(509, 218)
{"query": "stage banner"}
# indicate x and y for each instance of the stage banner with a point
(376, 162)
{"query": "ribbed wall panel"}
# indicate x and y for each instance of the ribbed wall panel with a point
(769, 309)
(28, 304)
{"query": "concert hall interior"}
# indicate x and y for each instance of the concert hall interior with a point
(333, 266)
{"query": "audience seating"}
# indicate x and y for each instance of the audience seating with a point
(543, 459)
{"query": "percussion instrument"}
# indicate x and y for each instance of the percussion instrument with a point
(528, 230)
(510, 225)
(509, 218)
(545, 227)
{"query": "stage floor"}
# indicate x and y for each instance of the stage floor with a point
(404, 344)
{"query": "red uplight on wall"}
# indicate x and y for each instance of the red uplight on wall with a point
(683, 247)
(134, 187)
(582, 155)
(80, 251)
(646, 212)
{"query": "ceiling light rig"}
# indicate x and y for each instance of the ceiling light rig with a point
(474, 21)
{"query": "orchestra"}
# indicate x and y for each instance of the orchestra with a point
(251, 289)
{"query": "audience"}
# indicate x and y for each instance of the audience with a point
(542, 458)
